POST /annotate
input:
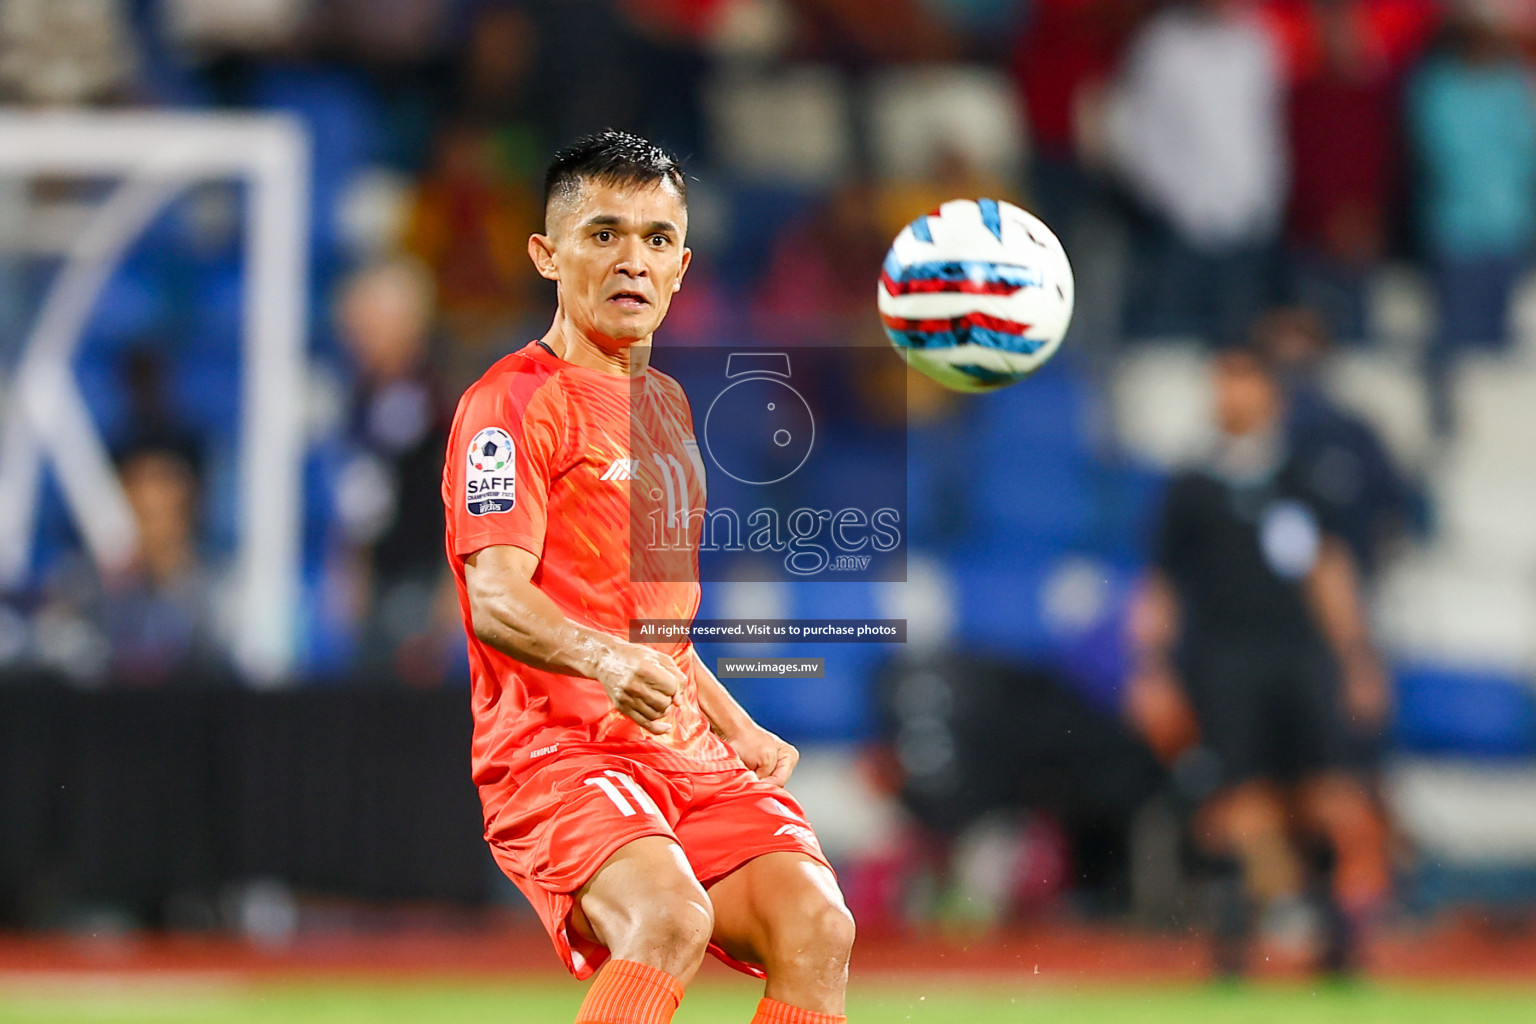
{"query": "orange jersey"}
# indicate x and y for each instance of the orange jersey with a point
(547, 456)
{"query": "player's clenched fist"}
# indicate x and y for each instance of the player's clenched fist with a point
(641, 683)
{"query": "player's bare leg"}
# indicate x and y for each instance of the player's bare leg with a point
(1248, 822)
(1340, 809)
(785, 912)
(1247, 827)
(646, 907)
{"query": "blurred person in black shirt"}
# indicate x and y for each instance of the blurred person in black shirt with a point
(398, 429)
(155, 620)
(161, 613)
(1252, 663)
(1343, 460)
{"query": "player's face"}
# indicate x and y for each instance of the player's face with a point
(1247, 398)
(617, 256)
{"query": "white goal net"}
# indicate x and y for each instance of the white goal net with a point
(148, 160)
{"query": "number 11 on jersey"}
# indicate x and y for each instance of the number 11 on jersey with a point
(606, 784)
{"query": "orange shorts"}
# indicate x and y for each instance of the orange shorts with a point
(572, 814)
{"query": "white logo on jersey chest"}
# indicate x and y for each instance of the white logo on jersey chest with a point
(621, 469)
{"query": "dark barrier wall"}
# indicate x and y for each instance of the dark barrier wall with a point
(134, 801)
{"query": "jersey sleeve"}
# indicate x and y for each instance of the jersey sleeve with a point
(503, 452)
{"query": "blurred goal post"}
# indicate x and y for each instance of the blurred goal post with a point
(152, 158)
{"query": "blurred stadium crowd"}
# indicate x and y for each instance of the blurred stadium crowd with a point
(1351, 183)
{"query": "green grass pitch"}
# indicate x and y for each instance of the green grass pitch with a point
(144, 999)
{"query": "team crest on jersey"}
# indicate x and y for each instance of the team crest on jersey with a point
(490, 473)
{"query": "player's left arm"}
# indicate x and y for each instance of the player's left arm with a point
(760, 750)
(1333, 589)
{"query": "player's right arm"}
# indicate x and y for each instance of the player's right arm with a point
(1154, 699)
(512, 615)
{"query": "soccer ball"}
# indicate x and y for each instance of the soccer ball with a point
(976, 294)
(490, 451)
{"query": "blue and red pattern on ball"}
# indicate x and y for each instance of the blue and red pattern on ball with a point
(966, 277)
(991, 217)
(972, 329)
(983, 375)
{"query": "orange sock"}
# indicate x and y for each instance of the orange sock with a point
(771, 1011)
(629, 992)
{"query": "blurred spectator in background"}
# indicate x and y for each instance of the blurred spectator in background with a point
(476, 201)
(151, 419)
(1472, 119)
(495, 87)
(1064, 64)
(1346, 59)
(387, 495)
(1068, 51)
(406, 49)
(860, 32)
(594, 51)
(56, 52)
(1195, 128)
(391, 34)
(1249, 633)
(1338, 454)
(155, 621)
(817, 285)
(470, 225)
(161, 614)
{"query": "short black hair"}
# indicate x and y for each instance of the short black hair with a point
(612, 158)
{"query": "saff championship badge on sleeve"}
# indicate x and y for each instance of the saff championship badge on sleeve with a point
(490, 477)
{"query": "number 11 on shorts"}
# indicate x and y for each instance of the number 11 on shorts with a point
(625, 807)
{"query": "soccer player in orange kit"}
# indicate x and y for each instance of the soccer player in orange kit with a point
(632, 800)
